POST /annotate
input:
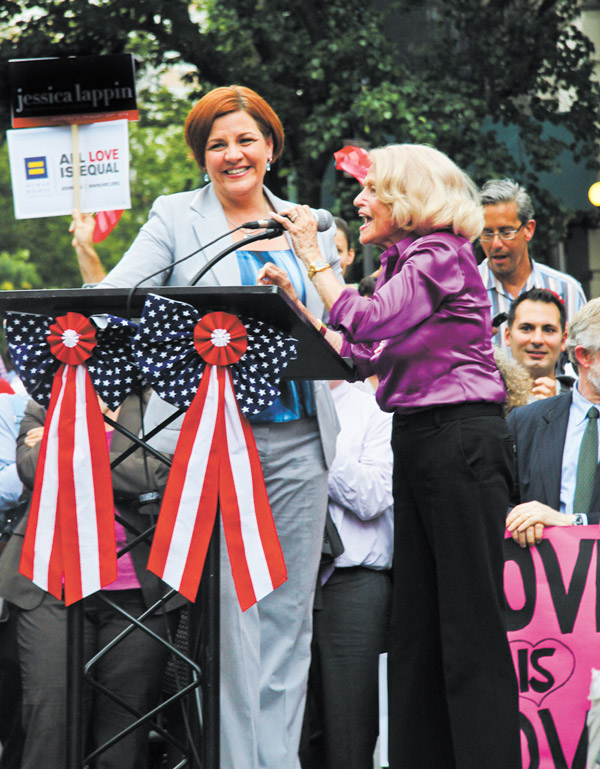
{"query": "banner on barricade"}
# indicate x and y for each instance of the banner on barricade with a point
(554, 635)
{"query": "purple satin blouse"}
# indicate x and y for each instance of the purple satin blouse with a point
(426, 332)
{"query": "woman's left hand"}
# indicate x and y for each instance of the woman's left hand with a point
(302, 228)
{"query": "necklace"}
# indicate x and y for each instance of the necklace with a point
(239, 226)
(235, 226)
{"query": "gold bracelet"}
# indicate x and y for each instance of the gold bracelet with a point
(317, 266)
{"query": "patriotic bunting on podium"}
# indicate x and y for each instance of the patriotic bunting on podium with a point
(65, 363)
(219, 368)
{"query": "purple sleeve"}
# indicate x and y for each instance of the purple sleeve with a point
(361, 357)
(429, 275)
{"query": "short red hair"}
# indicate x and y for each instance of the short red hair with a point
(222, 101)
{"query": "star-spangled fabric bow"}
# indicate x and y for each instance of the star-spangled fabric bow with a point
(111, 365)
(219, 367)
(166, 355)
(65, 363)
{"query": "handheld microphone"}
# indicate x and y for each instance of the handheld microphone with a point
(324, 221)
(169, 268)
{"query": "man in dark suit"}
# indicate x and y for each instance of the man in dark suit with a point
(557, 444)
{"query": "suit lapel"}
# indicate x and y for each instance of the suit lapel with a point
(209, 224)
(550, 443)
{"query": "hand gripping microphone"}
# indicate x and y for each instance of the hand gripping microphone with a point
(324, 221)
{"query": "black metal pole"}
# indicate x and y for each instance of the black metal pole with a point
(75, 663)
(209, 650)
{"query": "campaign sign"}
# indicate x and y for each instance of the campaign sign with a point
(72, 89)
(41, 167)
(553, 599)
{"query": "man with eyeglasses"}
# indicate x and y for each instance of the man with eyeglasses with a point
(509, 270)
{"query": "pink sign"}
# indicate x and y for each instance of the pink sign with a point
(554, 632)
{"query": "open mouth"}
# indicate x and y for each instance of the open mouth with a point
(366, 220)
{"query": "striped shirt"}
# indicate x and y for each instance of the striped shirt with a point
(541, 276)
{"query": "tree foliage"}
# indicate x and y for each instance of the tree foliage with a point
(454, 74)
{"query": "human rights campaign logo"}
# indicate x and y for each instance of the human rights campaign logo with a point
(36, 168)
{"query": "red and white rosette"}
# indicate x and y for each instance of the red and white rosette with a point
(216, 462)
(70, 537)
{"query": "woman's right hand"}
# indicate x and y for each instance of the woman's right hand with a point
(271, 275)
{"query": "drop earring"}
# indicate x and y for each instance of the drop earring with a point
(206, 178)
(269, 164)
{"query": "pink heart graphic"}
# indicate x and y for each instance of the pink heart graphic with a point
(541, 668)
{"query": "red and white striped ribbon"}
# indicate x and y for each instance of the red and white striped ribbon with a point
(216, 461)
(70, 534)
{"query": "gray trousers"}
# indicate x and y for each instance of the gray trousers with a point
(133, 670)
(265, 651)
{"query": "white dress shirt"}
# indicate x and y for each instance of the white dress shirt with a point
(360, 480)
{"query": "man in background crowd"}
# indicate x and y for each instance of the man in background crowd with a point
(508, 270)
(557, 444)
(536, 335)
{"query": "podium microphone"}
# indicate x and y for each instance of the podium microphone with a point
(267, 235)
(169, 267)
(324, 221)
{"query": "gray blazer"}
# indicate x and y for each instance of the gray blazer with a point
(178, 225)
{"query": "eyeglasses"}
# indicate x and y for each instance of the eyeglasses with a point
(504, 233)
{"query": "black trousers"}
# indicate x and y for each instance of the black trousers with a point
(11, 734)
(349, 633)
(452, 688)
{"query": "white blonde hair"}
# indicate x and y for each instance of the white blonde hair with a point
(584, 330)
(425, 190)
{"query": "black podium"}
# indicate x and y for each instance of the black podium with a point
(198, 693)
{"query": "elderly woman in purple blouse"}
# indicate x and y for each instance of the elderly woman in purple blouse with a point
(426, 334)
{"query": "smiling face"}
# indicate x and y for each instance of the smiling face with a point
(378, 228)
(536, 338)
(236, 156)
(507, 258)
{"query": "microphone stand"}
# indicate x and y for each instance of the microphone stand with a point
(267, 235)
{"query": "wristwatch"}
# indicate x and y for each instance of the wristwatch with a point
(580, 520)
(317, 266)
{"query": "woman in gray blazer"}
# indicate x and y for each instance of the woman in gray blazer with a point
(265, 651)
